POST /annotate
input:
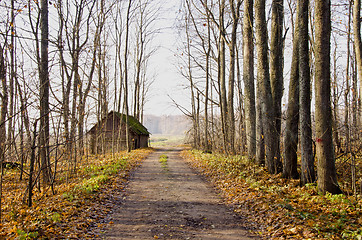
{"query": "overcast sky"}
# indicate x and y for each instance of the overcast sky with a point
(168, 82)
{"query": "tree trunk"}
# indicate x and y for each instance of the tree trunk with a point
(66, 81)
(12, 80)
(140, 54)
(335, 109)
(292, 121)
(276, 74)
(358, 50)
(206, 144)
(44, 95)
(3, 113)
(307, 171)
(235, 12)
(354, 98)
(241, 105)
(32, 163)
(327, 178)
(221, 76)
(84, 93)
(348, 79)
(248, 77)
(128, 145)
(265, 87)
(260, 145)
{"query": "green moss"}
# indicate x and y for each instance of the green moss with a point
(134, 124)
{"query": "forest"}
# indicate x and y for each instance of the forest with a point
(274, 85)
(235, 56)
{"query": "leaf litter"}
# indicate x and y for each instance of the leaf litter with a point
(280, 208)
(80, 205)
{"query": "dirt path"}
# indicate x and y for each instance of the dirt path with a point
(169, 201)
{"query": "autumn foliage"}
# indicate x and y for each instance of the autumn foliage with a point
(79, 205)
(278, 208)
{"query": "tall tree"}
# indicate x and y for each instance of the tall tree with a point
(207, 146)
(276, 72)
(222, 75)
(44, 93)
(140, 49)
(292, 121)
(335, 101)
(83, 92)
(305, 129)
(125, 102)
(348, 78)
(3, 114)
(263, 79)
(358, 48)
(327, 177)
(235, 13)
(12, 76)
(248, 77)
(71, 40)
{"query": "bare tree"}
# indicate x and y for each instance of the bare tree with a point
(44, 94)
(12, 77)
(126, 73)
(305, 128)
(292, 121)
(3, 115)
(335, 101)
(264, 84)
(276, 73)
(207, 145)
(348, 79)
(146, 16)
(248, 77)
(74, 43)
(222, 74)
(235, 14)
(327, 178)
(358, 48)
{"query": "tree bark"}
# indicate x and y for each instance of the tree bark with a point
(358, 50)
(348, 79)
(265, 87)
(260, 145)
(12, 80)
(235, 12)
(125, 102)
(276, 74)
(3, 113)
(44, 95)
(327, 178)
(140, 55)
(335, 108)
(292, 121)
(248, 77)
(207, 147)
(305, 129)
(221, 76)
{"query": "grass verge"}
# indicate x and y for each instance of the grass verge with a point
(80, 203)
(279, 207)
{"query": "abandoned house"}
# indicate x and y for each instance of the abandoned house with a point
(109, 134)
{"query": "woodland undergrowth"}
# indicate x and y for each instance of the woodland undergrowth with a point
(81, 200)
(278, 208)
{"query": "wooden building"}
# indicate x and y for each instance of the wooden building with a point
(109, 134)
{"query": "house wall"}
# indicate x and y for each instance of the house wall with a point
(112, 137)
(144, 141)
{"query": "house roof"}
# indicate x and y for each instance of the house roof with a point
(133, 123)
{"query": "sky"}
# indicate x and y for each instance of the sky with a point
(168, 82)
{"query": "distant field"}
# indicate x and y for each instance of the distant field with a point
(158, 140)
